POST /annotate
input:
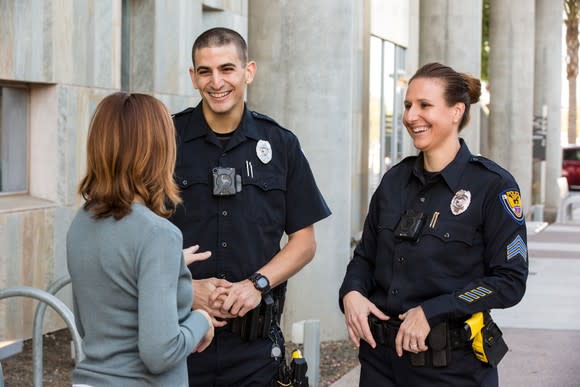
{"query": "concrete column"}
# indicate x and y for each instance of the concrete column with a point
(511, 81)
(156, 54)
(450, 33)
(548, 92)
(304, 52)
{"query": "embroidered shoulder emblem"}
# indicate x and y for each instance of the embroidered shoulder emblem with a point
(512, 203)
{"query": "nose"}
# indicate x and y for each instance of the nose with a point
(409, 113)
(216, 80)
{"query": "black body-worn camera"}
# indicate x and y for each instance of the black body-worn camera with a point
(225, 181)
(410, 225)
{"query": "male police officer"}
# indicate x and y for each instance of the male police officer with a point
(244, 182)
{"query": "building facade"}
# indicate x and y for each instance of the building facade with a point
(332, 71)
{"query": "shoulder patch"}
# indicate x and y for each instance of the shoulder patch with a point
(512, 203)
(189, 109)
(264, 117)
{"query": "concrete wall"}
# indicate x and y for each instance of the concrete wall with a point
(305, 81)
(71, 54)
(68, 54)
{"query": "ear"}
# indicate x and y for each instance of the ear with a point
(458, 110)
(193, 77)
(251, 68)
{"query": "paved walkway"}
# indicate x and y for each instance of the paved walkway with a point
(543, 330)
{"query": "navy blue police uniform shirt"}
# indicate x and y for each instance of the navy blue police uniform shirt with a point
(243, 231)
(462, 263)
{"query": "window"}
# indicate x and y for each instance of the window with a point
(387, 80)
(14, 103)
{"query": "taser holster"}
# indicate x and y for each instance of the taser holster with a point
(486, 338)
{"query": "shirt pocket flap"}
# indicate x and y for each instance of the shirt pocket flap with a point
(388, 221)
(186, 180)
(449, 231)
(266, 183)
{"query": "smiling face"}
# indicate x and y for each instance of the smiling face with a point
(221, 78)
(431, 123)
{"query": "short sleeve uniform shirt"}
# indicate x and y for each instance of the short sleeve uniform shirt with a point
(278, 192)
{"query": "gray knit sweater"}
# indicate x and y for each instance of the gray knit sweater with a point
(132, 297)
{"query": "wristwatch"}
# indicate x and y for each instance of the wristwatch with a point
(260, 282)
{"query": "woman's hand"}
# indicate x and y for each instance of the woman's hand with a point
(190, 255)
(413, 331)
(208, 337)
(356, 312)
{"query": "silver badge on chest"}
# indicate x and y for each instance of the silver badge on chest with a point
(264, 151)
(460, 202)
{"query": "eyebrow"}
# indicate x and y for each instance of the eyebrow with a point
(229, 64)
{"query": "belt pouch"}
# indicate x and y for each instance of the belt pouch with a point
(417, 359)
(438, 341)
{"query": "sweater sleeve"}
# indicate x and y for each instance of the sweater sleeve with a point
(164, 340)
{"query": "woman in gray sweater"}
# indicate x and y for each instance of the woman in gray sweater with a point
(132, 290)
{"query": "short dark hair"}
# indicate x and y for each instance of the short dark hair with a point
(459, 87)
(220, 36)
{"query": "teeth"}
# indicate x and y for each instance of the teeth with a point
(420, 130)
(219, 95)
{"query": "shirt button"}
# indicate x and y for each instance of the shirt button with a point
(446, 235)
(224, 213)
(224, 244)
(401, 259)
(184, 181)
(224, 154)
(394, 292)
(422, 199)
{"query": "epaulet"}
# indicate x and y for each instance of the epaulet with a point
(189, 109)
(488, 164)
(264, 117)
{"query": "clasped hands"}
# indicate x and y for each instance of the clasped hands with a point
(410, 337)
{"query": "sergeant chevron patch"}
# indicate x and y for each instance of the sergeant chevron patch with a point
(517, 247)
(475, 294)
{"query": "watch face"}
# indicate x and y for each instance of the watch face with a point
(262, 282)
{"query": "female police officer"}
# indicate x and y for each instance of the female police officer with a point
(445, 238)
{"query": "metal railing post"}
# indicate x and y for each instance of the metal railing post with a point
(37, 339)
(59, 307)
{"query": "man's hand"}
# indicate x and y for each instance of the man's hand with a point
(190, 255)
(202, 291)
(413, 331)
(356, 312)
(238, 299)
(208, 337)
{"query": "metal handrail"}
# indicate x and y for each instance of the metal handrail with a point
(60, 307)
(37, 338)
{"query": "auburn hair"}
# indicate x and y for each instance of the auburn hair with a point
(130, 153)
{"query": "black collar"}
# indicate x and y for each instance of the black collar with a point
(452, 173)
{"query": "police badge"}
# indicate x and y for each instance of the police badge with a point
(264, 151)
(460, 201)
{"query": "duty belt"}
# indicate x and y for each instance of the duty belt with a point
(443, 337)
(256, 324)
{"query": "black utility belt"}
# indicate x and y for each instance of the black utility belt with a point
(257, 323)
(442, 338)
